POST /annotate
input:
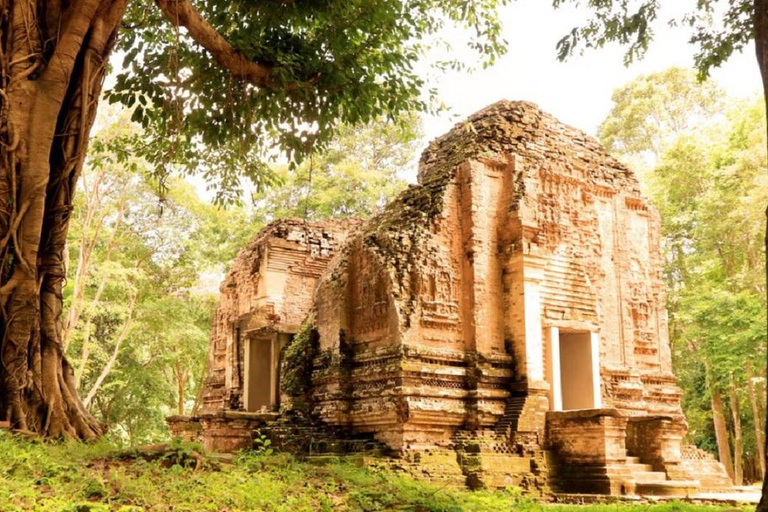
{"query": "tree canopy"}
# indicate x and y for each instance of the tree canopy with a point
(718, 28)
(356, 175)
(220, 87)
(652, 110)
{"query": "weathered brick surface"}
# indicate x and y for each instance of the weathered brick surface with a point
(519, 223)
(269, 288)
(185, 428)
(440, 321)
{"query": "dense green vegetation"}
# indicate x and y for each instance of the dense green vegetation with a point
(702, 158)
(137, 309)
(75, 477)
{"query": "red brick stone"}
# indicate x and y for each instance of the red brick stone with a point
(521, 276)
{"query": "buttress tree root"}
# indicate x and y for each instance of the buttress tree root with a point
(52, 67)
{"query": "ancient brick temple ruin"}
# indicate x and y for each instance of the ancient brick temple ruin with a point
(501, 323)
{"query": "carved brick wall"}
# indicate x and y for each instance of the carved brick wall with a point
(270, 288)
(437, 320)
(436, 312)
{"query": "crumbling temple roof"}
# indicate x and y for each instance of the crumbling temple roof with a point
(289, 229)
(522, 128)
(503, 130)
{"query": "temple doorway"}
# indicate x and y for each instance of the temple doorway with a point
(574, 370)
(262, 372)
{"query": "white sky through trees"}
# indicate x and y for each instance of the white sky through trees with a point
(578, 92)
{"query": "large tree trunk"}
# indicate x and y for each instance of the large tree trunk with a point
(761, 49)
(53, 62)
(721, 431)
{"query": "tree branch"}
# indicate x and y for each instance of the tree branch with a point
(111, 363)
(183, 13)
(73, 32)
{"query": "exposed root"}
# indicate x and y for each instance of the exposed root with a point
(170, 455)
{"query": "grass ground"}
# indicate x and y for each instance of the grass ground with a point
(75, 477)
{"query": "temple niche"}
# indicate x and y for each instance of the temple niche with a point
(503, 322)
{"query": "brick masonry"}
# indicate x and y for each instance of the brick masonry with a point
(509, 309)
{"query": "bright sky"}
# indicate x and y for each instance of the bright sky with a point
(577, 92)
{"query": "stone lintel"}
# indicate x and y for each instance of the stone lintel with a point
(586, 413)
(654, 417)
(571, 325)
(240, 415)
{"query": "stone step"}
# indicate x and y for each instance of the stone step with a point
(512, 412)
(507, 421)
(668, 488)
(650, 477)
(633, 460)
(491, 445)
(639, 468)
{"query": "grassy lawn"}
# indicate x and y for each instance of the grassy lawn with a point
(75, 477)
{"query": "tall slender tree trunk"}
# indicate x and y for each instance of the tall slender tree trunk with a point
(721, 431)
(52, 66)
(760, 23)
(87, 245)
(718, 417)
(92, 234)
(87, 329)
(756, 420)
(126, 328)
(738, 450)
(181, 387)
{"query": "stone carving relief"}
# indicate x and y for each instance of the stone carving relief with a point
(439, 300)
(641, 313)
(371, 312)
